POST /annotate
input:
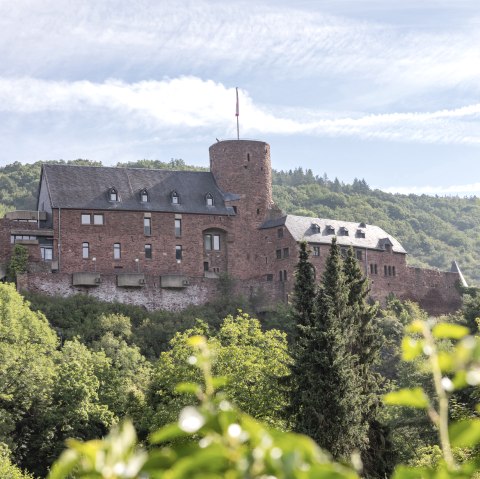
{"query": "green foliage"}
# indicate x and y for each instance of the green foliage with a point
(18, 262)
(211, 440)
(250, 360)
(326, 396)
(7, 469)
(452, 368)
(304, 289)
(27, 347)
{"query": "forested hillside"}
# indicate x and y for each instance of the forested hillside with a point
(434, 230)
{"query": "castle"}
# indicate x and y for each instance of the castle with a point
(164, 239)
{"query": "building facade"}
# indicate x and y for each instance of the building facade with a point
(164, 239)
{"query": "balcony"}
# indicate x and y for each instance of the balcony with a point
(131, 280)
(86, 279)
(174, 281)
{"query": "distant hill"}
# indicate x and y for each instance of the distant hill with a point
(434, 230)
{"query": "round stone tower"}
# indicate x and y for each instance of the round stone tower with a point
(243, 167)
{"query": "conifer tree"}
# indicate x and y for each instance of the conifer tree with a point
(365, 343)
(326, 401)
(304, 288)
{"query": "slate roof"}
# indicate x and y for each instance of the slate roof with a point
(300, 227)
(87, 187)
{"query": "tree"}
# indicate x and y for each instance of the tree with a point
(251, 360)
(304, 288)
(75, 410)
(366, 341)
(27, 371)
(18, 262)
(327, 389)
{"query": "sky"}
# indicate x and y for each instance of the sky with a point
(384, 90)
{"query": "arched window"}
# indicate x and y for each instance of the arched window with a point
(112, 194)
(144, 196)
(209, 199)
(175, 198)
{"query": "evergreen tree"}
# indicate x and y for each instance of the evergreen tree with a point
(326, 401)
(304, 288)
(365, 340)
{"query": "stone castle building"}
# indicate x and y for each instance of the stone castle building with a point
(164, 239)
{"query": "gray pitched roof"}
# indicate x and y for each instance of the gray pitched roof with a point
(302, 229)
(87, 187)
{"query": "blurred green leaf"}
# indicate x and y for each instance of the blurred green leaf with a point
(188, 388)
(449, 331)
(411, 348)
(167, 433)
(465, 433)
(415, 397)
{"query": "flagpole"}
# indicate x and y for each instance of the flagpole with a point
(237, 113)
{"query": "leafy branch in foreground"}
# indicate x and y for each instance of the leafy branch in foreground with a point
(212, 440)
(452, 367)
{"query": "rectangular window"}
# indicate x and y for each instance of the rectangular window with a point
(316, 251)
(279, 253)
(46, 253)
(393, 271)
(148, 251)
(205, 266)
(147, 226)
(359, 254)
(85, 250)
(284, 275)
(98, 219)
(178, 228)
(280, 233)
(280, 275)
(385, 270)
(117, 251)
(286, 252)
(86, 219)
(178, 253)
(212, 242)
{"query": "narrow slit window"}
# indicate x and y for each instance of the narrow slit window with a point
(148, 251)
(178, 253)
(85, 250)
(147, 226)
(178, 228)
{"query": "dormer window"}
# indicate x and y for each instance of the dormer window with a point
(343, 231)
(315, 228)
(362, 225)
(330, 230)
(175, 198)
(144, 196)
(209, 199)
(360, 234)
(112, 194)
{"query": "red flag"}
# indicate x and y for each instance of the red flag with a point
(238, 110)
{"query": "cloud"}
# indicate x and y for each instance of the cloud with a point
(192, 103)
(145, 39)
